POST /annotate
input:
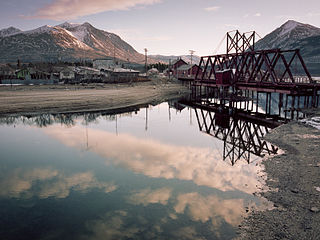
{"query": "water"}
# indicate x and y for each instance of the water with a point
(148, 174)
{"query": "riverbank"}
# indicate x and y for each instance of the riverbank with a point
(294, 182)
(33, 100)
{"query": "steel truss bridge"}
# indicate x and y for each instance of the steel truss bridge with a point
(272, 70)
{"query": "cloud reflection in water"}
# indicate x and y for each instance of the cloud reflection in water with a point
(47, 182)
(210, 210)
(152, 158)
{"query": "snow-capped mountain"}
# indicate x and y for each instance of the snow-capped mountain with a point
(67, 42)
(286, 35)
(295, 35)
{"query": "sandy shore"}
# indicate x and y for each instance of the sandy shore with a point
(29, 100)
(294, 182)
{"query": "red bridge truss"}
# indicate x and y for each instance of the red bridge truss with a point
(273, 70)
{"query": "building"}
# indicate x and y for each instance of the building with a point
(178, 63)
(187, 71)
(87, 75)
(175, 65)
(67, 74)
(121, 75)
(27, 75)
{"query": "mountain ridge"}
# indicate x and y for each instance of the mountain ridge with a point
(66, 42)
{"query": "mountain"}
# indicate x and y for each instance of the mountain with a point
(296, 35)
(66, 42)
(186, 58)
(287, 35)
(9, 31)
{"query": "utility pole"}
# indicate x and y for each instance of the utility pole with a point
(169, 68)
(146, 59)
(114, 54)
(191, 54)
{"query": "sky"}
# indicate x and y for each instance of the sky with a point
(166, 27)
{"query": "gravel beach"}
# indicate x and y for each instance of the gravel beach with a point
(293, 179)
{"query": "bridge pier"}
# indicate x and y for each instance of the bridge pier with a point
(286, 103)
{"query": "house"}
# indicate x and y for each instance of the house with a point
(67, 74)
(187, 71)
(178, 63)
(175, 65)
(23, 74)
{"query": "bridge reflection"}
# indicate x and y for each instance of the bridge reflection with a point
(236, 122)
(241, 131)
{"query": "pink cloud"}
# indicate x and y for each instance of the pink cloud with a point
(212, 9)
(72, 9)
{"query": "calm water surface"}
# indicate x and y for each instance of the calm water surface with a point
(149, 174)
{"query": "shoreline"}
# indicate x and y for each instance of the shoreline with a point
(54, 99)
(293, 180)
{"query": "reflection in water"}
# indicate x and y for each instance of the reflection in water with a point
(148, 196)
(169, 182)
(240, 131)
(201, 208)
(155, 159)
(210, 211)
(45, 183)
(66, 119)
(210, 208)
(113, 225)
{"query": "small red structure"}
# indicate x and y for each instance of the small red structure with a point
(188, 71)
(224, 77)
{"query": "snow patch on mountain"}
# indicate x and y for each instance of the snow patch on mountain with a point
(288, 27)
(80, 32)
(43, 29)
